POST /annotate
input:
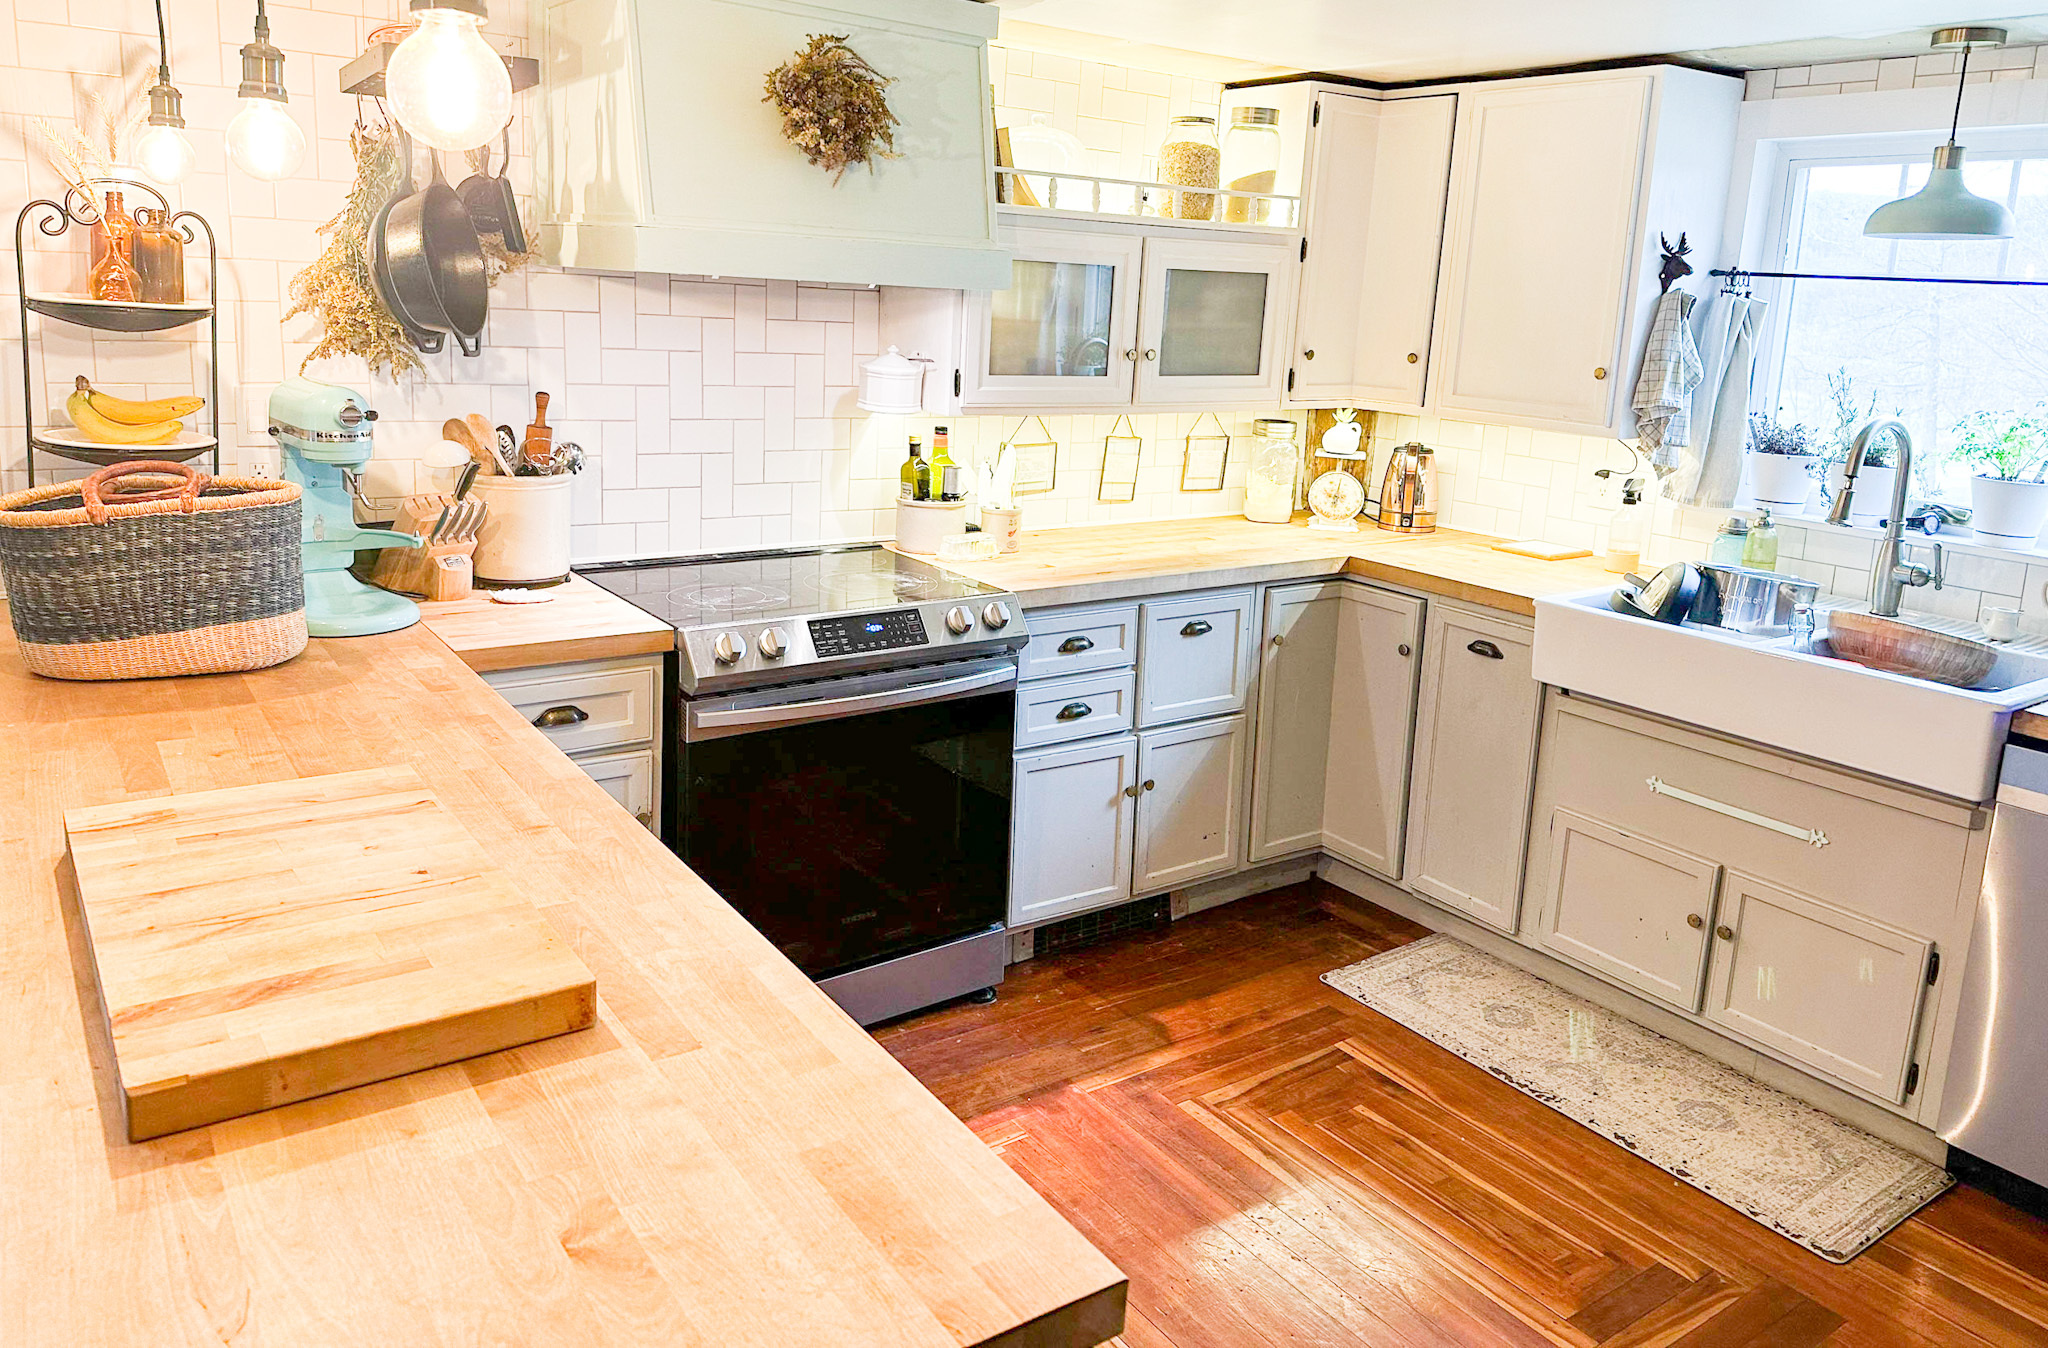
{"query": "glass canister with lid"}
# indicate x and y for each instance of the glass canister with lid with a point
(1189, 157)
(1251, 163)
(1270, 476)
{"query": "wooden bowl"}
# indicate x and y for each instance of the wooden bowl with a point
(1902, 648)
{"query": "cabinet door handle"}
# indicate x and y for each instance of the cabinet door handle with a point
(1413, 357)
(554, 718)
(1198, 628)
(1725, 932)
(1132, 791)
(1279, 640)
(1695, 921)
(1151, 353)
(646, 820)
(1485, 648)
(1073, 711)
(1814, 836)
(1309, 354)
(1600, 372)
(1131, 354)
(1149, 783)
(1404, 650)
(1075, 645)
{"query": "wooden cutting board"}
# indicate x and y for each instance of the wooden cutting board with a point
(265, 944)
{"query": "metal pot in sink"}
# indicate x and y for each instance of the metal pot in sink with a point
(1743, 599)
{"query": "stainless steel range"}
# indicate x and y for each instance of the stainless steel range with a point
(841, 768)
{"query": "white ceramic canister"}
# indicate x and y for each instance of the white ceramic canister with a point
(921, 524)
(1003, 525)
(525, 535)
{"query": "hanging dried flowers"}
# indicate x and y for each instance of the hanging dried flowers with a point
(833, 106)
(337, 285)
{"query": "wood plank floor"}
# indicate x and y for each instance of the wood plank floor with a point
(1272, 1163)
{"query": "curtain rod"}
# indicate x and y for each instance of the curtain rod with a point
(1739, 274)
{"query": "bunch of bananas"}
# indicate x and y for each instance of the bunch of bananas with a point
(118, 421)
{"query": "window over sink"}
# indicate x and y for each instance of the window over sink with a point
(1928, 354)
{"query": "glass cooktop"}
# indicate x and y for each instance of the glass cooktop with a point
(725, 592)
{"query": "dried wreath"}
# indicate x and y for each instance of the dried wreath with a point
(833, 106)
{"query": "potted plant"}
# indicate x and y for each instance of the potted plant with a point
(1781, 460)
(2009, 450)
(1877, 478)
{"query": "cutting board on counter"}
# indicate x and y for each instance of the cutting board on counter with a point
(265, 944)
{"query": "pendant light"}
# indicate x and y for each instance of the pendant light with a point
(162, 152)
(1945, 210)
(446, 86)
(263, 139)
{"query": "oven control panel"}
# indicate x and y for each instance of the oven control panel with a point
(860, 633)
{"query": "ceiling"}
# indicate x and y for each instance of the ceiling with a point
(1403, 40)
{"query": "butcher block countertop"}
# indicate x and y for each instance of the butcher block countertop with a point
(2031, 721)
(1118, 561)
(579, 621)
(724, 1158)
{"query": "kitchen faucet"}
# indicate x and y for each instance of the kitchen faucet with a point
(1891, 573)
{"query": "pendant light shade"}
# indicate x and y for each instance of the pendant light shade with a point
(1945, 210)
(446, 86)
(262, 138)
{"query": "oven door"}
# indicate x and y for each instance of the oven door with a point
(855, 819)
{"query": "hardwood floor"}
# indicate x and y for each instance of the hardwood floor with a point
(1272, 1163)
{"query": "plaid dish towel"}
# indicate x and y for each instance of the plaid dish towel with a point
(1671, 367)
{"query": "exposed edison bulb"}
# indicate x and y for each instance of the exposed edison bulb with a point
(265, 141)
(164, 155)
(446, 86)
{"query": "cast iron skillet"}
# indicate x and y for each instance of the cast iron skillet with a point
(425, 336)
(435, 264)
(491, 204)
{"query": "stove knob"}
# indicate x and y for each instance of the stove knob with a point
(773, 644)
(959, 620)
(996, 615)
(730, 648)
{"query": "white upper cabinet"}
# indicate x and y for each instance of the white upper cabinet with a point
(1065, 331)
(1209, 324)
(656, 153)
(1377, 177)
(1559, 189)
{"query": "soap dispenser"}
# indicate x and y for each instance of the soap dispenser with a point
(1760, 552)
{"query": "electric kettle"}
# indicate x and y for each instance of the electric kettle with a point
(1408, 491)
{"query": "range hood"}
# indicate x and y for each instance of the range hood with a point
(656, 152)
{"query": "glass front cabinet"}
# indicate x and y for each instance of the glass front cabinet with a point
(1108, 316)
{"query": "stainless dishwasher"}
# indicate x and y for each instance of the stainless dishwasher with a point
(1994, 1107)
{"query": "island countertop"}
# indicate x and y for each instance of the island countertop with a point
(725, 1158)
(1093, 562)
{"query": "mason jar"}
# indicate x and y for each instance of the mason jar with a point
(1270, 475)
(1189, 157)
(1251, 163)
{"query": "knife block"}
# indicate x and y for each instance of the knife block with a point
(437, 572)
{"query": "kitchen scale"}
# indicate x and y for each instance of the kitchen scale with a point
(1335, 497)
(325, 433)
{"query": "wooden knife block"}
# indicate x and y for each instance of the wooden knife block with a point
(437, 572)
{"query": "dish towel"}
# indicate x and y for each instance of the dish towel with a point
(1671, 367)
(1714, 473)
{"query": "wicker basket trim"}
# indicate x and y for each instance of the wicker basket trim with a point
(249, 491)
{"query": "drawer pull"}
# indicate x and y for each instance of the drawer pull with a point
(1198, 628)
(1806, 835)
(1075, 645)
(554, 718)
(1725, 932)
(1695, 921)
(1485, 648)
(1073, 711)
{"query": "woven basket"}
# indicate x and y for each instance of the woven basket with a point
(177, 574)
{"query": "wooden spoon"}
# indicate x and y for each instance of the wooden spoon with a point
(458, 430)
(481, 431)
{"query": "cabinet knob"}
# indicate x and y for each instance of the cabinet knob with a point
(1485, 648)
(1725, 932)
(1131, 354)
(1131, 791)
(1073, 711)
(1149, 783)
(1600, 372)
(1309, 354)
(1279, 641)
(1198, 627)
(1695, 921)
(1405, 649)
(1412, 357)
(1151, 353)
(554, 718)
(646, 820)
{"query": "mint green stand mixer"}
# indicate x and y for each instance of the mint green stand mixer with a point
(325, 433)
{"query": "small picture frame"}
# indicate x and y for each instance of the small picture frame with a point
(1036, 457)
(1120, 455)
(1208, 453)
